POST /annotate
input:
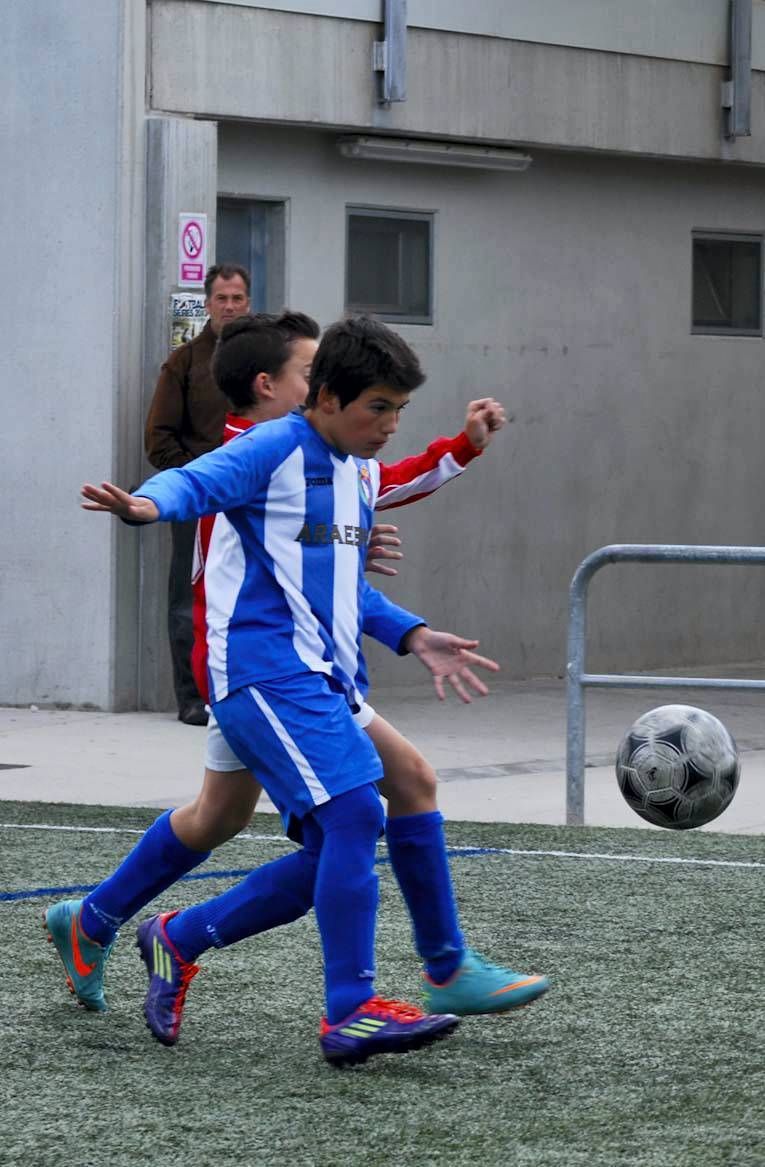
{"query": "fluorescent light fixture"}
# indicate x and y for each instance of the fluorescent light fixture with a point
(422, 150)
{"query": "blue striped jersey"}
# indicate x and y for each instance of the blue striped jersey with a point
(284, 576)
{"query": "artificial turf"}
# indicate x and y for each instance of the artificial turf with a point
(647, 1052)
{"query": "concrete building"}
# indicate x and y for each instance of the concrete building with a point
(609, 292)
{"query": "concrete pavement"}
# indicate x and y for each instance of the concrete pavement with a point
(501, 759)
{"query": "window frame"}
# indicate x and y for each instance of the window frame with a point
(723, 236)
(280, 275)
(363, 210)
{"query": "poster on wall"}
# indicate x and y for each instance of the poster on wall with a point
(187, 316)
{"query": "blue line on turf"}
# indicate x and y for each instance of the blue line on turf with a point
(455, 852)
(35, 893)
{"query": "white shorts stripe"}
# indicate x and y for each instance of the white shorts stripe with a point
(302, 765)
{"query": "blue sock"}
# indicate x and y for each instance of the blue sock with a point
(154, 864)
(346, 897)
(273, 894)
(417, 850)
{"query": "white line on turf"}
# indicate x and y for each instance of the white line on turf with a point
(116, 831)
(467, 851)
(612, 858)
(56, 827)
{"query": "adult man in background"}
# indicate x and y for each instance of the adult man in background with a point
(186, 419)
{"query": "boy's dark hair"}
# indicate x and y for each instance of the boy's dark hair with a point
(359, 352)
(226, 271)
(261, 343)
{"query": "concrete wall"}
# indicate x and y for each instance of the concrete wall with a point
(683, 30)
(224, 61)
(565, 291)
(72, 105)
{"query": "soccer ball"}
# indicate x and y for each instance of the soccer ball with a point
(678, 767)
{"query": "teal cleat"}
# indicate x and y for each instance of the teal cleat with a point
(83, 959)
(480, 987)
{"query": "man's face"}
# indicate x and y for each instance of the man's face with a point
(364, 426)
(227, 300)
(289, 388)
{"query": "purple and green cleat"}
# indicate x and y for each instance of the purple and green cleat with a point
(481, 987)
(169, 978)
(379, 1026)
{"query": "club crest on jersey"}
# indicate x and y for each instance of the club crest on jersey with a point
(365, 485)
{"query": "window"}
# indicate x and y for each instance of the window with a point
(388, 265)
(251, 233)
(727, 284)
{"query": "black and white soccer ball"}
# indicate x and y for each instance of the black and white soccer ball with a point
(678, 767)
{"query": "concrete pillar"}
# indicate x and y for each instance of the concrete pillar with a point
(73, 100)
(182, 174)
(124, 662)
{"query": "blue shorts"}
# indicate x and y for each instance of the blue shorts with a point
(299, 737)
(221, 758)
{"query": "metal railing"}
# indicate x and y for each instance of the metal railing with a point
(578, 679)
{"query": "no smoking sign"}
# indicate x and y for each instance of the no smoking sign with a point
(192, 249)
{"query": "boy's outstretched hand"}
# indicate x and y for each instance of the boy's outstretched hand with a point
(449, 657)
(383, 538)
(482, 420)
(108, 497)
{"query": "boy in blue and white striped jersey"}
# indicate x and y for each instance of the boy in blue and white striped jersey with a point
(286, 594)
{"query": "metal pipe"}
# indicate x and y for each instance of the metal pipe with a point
(577, 679)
